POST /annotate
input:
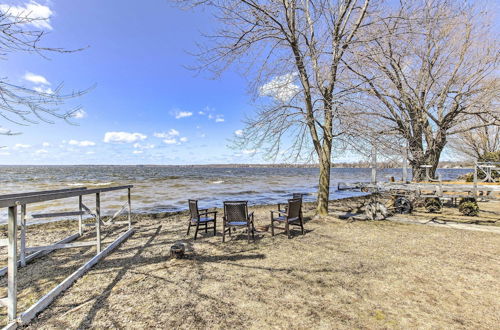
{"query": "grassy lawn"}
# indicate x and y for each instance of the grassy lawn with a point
(339, 275)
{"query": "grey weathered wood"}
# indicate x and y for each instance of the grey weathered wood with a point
(88, 210)
(4, 242)
(56, 214)
(59, 246)
(58, 195)
(12, 264)
(32, 193)
(38, 254)
(117, 213)
(23, 236)
(129, 201)
(10, 326)
(98, 221)
(45, 301)
(80, 218)
(4, 301)
(374, 163)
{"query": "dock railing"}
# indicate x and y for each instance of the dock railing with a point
(14, 202)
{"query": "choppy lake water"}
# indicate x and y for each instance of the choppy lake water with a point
(166, 188)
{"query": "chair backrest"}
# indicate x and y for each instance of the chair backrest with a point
(236, 211)
(294, 206)
(297, 195)
(193, 208)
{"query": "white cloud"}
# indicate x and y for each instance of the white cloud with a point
(81, 143)
(79, 114)
(182, 114)
(143, 146)
(41, 151)
(123, 137)
(183, 139)
(90, 152)
(36, 79)
(4, 153)
(201, 112)
(170, 141)
(42, 90)
(219, 120)
(21, 146)
(38, 15)
(282, 88)
(137, 152)
(167, 135)
(45, 144)
(238, 132)
(249, 151)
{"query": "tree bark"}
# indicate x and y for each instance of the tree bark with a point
(431, 157)
(325, 163)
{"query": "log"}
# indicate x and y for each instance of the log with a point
(177, 251)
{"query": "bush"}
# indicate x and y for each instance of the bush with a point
(433, 204)
(468, 207)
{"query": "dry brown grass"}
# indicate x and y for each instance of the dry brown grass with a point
(338, 275)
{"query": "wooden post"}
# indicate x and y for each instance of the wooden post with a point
(12, 264)
(475, 179)
(405, 165)
(374, 163)
(23, 235)
(98, 221)
(80, 218)
(129, 210)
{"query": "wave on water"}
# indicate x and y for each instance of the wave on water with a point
(217, 182)
(75, 184)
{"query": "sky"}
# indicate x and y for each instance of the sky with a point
(146, 106)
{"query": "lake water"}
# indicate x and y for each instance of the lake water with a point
(167, 188)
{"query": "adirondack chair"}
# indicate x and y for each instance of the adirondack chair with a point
(199, 217)
(236, 216)
(292, 217)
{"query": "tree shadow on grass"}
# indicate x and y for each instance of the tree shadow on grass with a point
(99, 302)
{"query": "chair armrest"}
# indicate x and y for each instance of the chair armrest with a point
(250, 215)
(205, 213)
(202, 210)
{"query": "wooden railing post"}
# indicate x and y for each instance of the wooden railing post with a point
(98, 221)
(23, 235)
(129, 210)
(80, 218)
(12, 264)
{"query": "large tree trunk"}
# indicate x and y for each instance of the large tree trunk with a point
(430, 157)
(325, 163)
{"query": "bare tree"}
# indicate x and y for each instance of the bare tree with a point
(476, 143)
(293, 52)
(430, 67)
(20, 105)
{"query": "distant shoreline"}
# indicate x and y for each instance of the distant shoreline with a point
(444, 165)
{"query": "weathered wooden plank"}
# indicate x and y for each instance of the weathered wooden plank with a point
(46, 300)
(43, 192)
(23, 236)
(12, 264)
(98, 221)
(57, 214)
(4, 242)
(52, 196)
(117, 213)
(38, 254)
(59, 246)
(87, 210)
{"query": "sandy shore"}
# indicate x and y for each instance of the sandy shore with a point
(340, 274)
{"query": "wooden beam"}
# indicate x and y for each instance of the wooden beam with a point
(46, 300)
(98, 221)
(32, 256)
(80, 218)
(12, 264)
(58, 195)
(23, 236)
(43, 192)
(59, 246)
(56, 214)
(129, 201)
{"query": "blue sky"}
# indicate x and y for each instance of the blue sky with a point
(146, 108)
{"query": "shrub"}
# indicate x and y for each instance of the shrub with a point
(468, 207)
